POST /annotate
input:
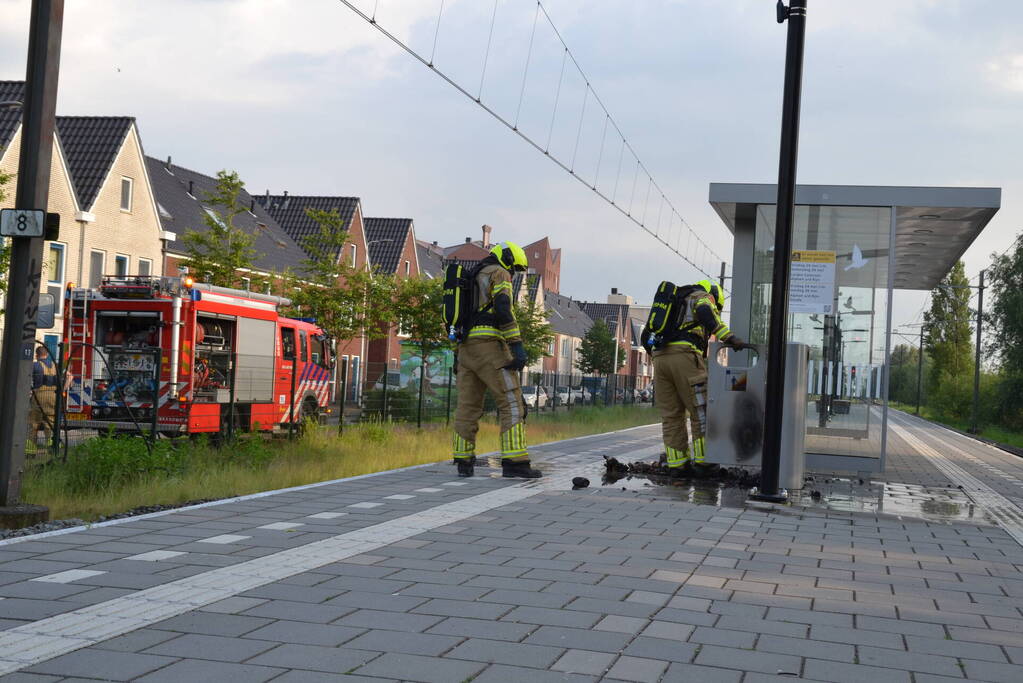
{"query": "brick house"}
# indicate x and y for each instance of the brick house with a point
(392, 251)
(616, 317)
(570, 324)
(545, 261)
(99, 184)
(290, 213)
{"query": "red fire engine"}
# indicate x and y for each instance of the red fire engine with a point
(199, 353)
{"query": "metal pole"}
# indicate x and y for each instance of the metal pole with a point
(774, 412)
(38, 119)
(230, 403)
(422, 381)
(58, 404)
(156, 395)
(383, 406)
(721, 279)
(291, 421)
(344, 393)
(920, 370)
(974, 426)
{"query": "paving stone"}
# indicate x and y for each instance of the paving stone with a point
(552, 617)
(203, 671)
(807, 648)
(746, 660)
(852, 636)
(724, 637)
(668, 630)
(809, 617)
(103, 664)
(503, 652)
(482, 628)
(625, 609)
(637, 669)
(313, 657)
(954, 648)
(392, 621)
(691, 673)
(910, 661)
(526, 598)
(619, 624)
(421, 669)
(136, 641)
(296, 676)
(913, 628)
(993, 671)
(840, 672)
(584, 662)
(976, 635)
(502, 673)
(649, 598)
(579, 639)
(298, 611)
(212, 624)
(659, 648)
(301, 632)
(233, 605)
(463, 608)
(408, 643)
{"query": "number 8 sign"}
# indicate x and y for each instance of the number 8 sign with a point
(22, 222)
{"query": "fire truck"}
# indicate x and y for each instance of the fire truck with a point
(183, 357)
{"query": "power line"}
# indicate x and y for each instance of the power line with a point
(512, 124)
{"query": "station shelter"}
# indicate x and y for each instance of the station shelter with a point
(853, 246)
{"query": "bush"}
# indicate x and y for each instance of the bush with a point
(115, 461)
(953, 397)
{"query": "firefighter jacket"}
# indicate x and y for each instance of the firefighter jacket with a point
(494, 318)
(700, 321)
(44, 374)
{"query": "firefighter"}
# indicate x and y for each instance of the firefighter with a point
(44, 394)
(491, 357)
(680, 373)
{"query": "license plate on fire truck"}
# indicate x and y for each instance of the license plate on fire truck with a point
(136, 362)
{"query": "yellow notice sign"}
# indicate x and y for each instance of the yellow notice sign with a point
(813, 256)
(812, 282)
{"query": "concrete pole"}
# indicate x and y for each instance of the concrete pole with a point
(974, 423)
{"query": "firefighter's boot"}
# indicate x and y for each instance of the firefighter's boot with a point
(520, 469)
(466, 466)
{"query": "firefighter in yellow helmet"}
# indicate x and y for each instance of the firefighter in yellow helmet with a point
(491, 357)
(680, 373)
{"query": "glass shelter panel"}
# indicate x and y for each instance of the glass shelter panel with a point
(845, 324)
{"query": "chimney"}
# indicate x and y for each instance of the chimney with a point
(252, 205)
(191, 189)
(614, 290)
(435, 243)
(468, 240)
(168, 165)
(287, 200)
(486, 236)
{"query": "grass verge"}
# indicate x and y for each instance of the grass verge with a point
(104, 479)
(990, 432)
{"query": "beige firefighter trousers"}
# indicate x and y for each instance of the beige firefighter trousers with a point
(42, 406)
(481, 367)
(677, 370)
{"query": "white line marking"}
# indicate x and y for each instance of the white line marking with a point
(155, 555)
(35, 642)
(454, 483)
(365, 505)
(428, 490)
(327, 515)
(223, 539)
(68, 576)
(1006, 514)
(280, 526)
(398, 496)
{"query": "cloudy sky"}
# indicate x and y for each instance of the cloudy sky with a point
(305, 96)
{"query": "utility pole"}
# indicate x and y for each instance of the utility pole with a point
(795, 13)
(38, 121)
(721, 278)
(974, 423)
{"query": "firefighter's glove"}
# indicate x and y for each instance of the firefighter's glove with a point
(518, 352)
(737, 344)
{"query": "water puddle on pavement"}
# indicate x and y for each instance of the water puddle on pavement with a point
(820, 492)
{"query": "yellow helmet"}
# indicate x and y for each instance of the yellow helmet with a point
(510, 255)
(719, 295)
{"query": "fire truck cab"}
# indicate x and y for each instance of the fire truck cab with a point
(199, 355)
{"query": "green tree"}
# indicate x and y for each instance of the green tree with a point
(343, 299)
(947, 339)
(1006, 311)
(418, 311)
(902, 382)
(218, 253)
(536, 331)
(597, 351)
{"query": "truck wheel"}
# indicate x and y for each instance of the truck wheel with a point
(310, 412)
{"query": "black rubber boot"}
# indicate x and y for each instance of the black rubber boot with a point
(684, 471)
(520, 469)
(466, 466)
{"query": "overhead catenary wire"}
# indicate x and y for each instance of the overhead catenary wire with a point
(700, 263)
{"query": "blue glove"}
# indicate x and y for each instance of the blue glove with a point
(518, 356)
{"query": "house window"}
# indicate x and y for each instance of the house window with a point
(121, 265)
(407, 269)
(145, 266)
(566, 348)
(354, 252)
(55, 273)
(126, 192)
(97, 262)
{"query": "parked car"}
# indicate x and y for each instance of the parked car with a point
(647, 395)
(579, 395)
(535, 396)
(562, 396)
